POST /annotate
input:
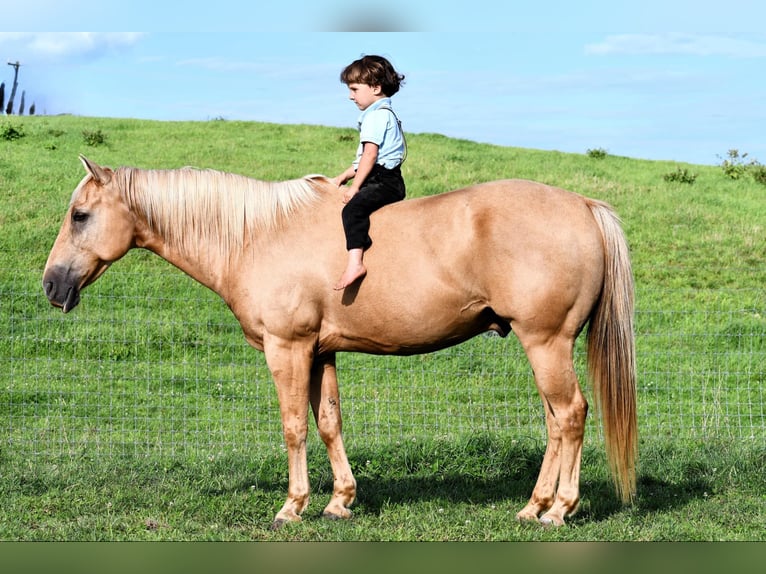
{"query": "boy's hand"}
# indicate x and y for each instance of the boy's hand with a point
(341, 179)
(348, 194)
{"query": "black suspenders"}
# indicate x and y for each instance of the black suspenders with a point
(399, 123)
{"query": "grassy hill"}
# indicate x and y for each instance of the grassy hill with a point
(88, 402)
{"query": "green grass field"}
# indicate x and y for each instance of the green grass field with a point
(143, 415)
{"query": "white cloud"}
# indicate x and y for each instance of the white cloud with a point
(676, 44)
(60, 45)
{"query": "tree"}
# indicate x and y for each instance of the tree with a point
(23, 105)
(15, 65)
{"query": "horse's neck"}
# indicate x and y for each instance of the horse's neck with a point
(203, 265)
(210, 263)
(209, 273)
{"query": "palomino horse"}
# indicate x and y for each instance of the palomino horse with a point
(502, 256)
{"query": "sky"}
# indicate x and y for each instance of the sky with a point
(662, 80)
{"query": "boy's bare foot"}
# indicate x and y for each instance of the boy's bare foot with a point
(353, 272)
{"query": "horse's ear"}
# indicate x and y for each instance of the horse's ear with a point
(101, 175)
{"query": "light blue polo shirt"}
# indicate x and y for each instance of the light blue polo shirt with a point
(379, 125)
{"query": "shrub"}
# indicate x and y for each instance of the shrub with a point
(680, 175)
(93, 138)
(758, 172)
(734, 165)
(597, 153)
(9, 132)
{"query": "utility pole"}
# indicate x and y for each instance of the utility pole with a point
(9, 109)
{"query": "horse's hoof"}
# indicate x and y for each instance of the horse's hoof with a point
(526, 518)
(283, 517)
(277, 524)
(550, 522)
(332, 516)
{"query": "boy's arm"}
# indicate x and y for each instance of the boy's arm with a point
(366, 163)
(345, 176)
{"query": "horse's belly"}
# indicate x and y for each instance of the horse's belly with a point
(414, 333)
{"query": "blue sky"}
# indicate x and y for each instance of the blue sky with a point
(682, 81)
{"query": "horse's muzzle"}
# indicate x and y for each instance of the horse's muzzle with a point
(60, 289)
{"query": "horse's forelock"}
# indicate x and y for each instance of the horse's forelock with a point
(78, 189)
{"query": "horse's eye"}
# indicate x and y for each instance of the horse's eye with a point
(79, 216)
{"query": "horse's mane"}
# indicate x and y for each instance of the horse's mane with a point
(187, 205)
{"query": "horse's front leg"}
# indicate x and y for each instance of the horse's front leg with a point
(325, 402)
(290, 365)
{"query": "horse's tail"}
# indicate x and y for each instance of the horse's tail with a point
(611, 354)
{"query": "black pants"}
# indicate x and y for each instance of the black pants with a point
(382, 186)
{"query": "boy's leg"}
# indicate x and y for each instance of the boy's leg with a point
(373, 195)
(355, 269)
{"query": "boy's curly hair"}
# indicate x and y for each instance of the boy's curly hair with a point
(373, 71)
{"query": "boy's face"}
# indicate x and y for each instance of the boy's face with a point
(363, 95)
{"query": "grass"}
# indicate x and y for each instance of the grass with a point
(143, 415)
(467, 489)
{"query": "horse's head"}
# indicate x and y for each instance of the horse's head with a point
(97, 230)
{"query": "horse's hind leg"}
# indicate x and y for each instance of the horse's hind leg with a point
(565, 412)
(325, 402)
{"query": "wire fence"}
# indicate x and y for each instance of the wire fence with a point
(153, 363)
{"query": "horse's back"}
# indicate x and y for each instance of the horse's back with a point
(491, 225)
(519, 202)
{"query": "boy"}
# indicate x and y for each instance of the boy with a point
(376, 173)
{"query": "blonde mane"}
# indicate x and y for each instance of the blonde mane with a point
(187, 205)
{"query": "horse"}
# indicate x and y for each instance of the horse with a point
(504, 256)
